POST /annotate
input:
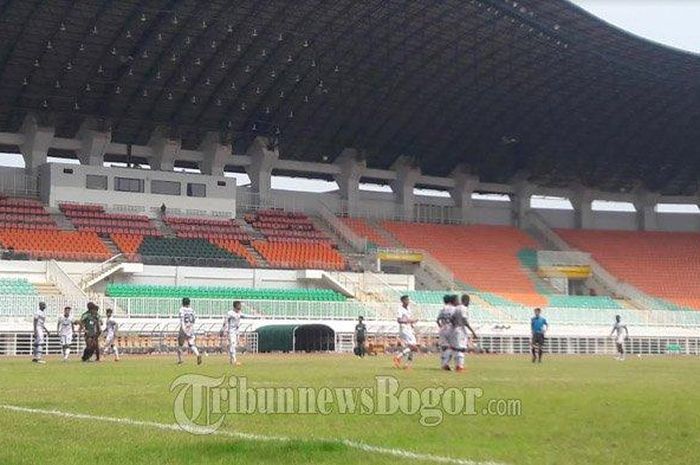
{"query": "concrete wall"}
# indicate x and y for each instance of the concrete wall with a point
(686, 222)
(67, 183)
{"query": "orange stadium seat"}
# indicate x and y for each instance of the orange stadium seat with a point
(662, 264)
(485, 257)
(94, 218)
(128, 244)
(286, 226)
(236, 248)
(206, 228)
(59, 245)
(285, 254)
(363, 229)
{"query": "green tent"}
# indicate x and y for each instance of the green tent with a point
(289, 338)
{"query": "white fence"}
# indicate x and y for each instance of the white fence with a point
(25, 306)
(131, 340)
(592, 345)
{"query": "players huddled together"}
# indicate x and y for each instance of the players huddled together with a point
(454, 332)
(452, 321)
(67, 327)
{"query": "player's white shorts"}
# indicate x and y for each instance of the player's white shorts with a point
(407, 338)
(39, 337)
(109, 339)
(185, 338)
(445, 336)
(620, 339)
(66, 339)
(460, 338)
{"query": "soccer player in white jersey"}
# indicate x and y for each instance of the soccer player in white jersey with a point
(186, 335)
(111, 328)
(65, 329)
(40, 332)
(406, 335)
(232, 321)
(621, 333)
(460, 338)
(444, 322)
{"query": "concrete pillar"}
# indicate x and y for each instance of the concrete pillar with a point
(582, 201)
(520, 203)
(37, 140)
(465, 185)
(645, 204)
(215, 154)
(165, 150)
(407, 175)
(351, 168)
(262, 162)
(94, 141)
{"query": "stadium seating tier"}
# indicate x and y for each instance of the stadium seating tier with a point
(661, 264)
(484, 257)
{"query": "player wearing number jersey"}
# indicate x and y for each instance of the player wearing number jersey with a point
(232, 321)
(64, 327)
(40, 332)
(111, 328)
(187, 319)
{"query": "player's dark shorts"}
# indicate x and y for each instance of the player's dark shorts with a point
(538, 339)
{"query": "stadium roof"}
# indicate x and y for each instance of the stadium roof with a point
(503, 87)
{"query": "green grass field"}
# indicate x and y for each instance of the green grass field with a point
(575, 410)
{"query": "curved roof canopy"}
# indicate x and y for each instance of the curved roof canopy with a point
(502, 86)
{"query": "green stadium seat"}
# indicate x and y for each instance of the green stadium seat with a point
(220, 292)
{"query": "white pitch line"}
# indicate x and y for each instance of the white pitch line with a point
(402, 453)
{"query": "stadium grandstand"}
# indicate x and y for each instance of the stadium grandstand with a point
(136, 121)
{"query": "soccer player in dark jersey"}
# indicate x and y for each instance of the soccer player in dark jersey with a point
(360, 337)
(539, 327)
(90, 323)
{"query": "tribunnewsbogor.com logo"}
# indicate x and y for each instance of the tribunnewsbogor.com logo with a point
(202, 402)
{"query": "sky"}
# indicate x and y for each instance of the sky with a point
(674, 23)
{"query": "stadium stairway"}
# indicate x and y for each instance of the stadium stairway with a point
(47, 289)
(661, 264)
(61, 220)
(353, 259)
(387, 236)
(163, 228)
(113, 249)
(484, 257)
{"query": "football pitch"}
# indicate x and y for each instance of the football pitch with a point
(569, 410)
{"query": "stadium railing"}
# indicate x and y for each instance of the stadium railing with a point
(150, 307)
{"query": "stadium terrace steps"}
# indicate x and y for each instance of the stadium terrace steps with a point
(363, 228)
(47, 289)
(484, 257)
(661, 264)
(222, 292)
(387, 236)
